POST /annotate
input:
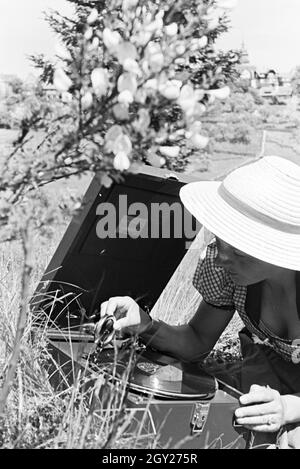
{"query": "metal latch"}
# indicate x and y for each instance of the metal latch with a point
(172, 176)
(199, 417)
(137, 399)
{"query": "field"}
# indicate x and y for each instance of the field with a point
(38, 417)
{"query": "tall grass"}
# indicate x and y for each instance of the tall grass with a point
(40, 416)
(37, 415)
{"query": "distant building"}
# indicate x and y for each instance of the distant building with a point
(246, 69)
(277, 87)
(269, 84)
(5, 85)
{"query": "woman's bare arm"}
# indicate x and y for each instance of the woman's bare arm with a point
(191, 341)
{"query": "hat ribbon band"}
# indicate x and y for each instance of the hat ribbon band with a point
(254, 214)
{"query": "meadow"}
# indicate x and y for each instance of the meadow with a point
(38, 416)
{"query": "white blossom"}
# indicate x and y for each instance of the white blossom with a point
(111, 136)
(120, 112)
(151, 84)
(99, 78)
(140, 95)
(128, 4)
(62, 52)
(88, 34)
(213, 23)
(170, 152)
(127, 82)
(95, 43)
(61, 81)
(156, 62)
(125, 97)
(180, 61)
(171, 89)
(171, 29)
(126, 50)
(156, 25)
(154, 159)
(187, 98)
(155, 57)
(122, 144)
(111, 39)
(213, 18)
(153, 48)
(189, 101)
(131, 65)
(106, 181)
(198, 43)
(141, 38)
(198, 141)
(87, 100)
(180, 48)
(121, 161)
(203, 41)
(145, 67)
(93, 16)
(221, 93)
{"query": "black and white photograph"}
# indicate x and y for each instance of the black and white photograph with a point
(149, 227)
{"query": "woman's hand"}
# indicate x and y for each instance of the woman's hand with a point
(262, 410)
(128, 314)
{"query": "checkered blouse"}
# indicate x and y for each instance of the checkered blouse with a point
(217, 288)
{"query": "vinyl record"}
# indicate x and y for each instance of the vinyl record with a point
(163, 377)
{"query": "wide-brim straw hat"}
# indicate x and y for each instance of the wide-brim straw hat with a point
(256, 209)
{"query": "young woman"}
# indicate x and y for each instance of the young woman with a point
(252, 266)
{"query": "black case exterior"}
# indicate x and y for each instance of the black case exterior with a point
(171, 421)
(87, 270)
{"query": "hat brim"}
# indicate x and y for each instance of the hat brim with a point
(253, 237)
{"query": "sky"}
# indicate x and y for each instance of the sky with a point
(269, 28)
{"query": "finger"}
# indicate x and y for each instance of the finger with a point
(257, 420)
(114, 303)
(103, 308)
(120, 324)
(254, 410)
(256, 387)
(261, 395)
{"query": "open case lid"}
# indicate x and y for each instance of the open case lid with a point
(87, 269)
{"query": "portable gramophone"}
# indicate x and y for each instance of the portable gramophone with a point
(86, 271)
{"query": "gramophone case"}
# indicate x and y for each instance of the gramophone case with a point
(87, 270)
